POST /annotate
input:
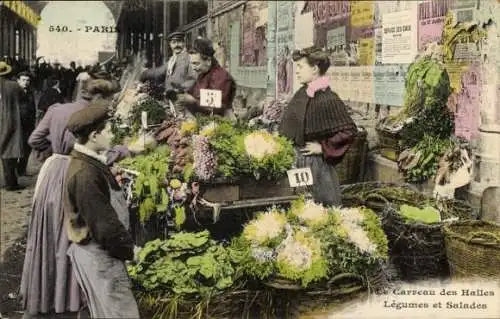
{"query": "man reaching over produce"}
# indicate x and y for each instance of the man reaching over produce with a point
(98, 219)
(318, 123)
(211, 76)
(176, 73)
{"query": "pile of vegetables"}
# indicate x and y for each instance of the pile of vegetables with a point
(421, 162)
(207, 148)
(424, 119)
(310, 243)
(188, 267)
(149, 186)
(155, 110)
(185, 264)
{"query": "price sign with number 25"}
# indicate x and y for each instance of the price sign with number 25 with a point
(300, 177)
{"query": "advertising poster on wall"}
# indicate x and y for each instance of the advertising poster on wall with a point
(389, 84)
(467, 115)
(336, 38)
(362, 13)
(366, 51)
(285, 46)
(399, 37)
(365, 82)
(464, 9)
(304, 30)
(431, 16)
(339, 77)
(254, 35)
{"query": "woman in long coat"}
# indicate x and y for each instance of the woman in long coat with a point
(48, 284)
(318, 123)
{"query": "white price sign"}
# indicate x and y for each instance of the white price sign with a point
(144, 119)
(300, 177)
(211, 98)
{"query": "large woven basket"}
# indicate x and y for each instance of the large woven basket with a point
(473, 249)
(351, 168)
(361, 194)
(417, 250)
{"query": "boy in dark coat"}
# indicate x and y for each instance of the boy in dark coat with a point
(98, 218)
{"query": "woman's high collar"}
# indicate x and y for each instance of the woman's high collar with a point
(321, 83)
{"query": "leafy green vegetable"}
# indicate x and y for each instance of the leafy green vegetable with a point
(148, 189)
(188, 264)
(156, 113)
(427, 215)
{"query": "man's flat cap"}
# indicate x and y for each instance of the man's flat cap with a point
(176, 35)
(88, 117)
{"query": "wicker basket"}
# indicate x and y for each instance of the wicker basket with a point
(417, 250)
(351, 168)
(358, 194)
(389, 144)
(368, 194)
(473, 249)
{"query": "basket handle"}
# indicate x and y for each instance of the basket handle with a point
(377, 196)
(344, 276)
(480, 237)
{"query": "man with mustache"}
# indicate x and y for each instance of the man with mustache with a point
(177, 72)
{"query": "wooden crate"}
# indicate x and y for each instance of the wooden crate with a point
(223, 191)
(389, 144)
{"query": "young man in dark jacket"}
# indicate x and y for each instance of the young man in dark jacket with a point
(98, 218)
(27, 110)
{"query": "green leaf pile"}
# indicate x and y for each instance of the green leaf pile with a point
(148, 186)
(187, 264)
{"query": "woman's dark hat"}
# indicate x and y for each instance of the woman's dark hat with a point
(176, 36)
(88, 117)
(203, 46)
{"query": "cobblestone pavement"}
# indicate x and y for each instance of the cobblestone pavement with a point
(15, 211)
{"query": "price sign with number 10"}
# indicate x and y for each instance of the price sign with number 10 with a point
(300, 177)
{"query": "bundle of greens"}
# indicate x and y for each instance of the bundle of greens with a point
(310, 243)
(120, 130)
(421, 162)
(155, 110)
(148, 186)
(186, 265)
(425, 122)
(427, 88)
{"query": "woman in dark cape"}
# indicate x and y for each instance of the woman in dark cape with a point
(319, 125)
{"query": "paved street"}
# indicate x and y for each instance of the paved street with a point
(15, 209)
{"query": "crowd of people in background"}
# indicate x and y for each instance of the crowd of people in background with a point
(35, 87)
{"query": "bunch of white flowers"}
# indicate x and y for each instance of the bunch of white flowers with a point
(352, 220)
(295, 254)
(266, 226)
(260, 144)
(311, 213)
